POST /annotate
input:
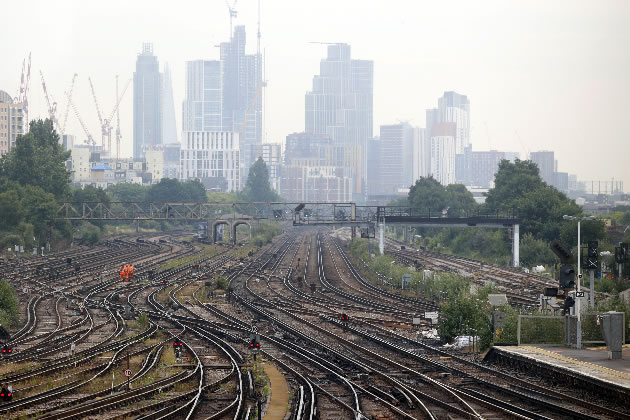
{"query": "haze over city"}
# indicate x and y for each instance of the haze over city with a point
(539, 75)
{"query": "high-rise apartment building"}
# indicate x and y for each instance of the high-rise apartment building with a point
(11, 122)
(455, 108)
(211, 157)
(147, 102)
(421, 154)
(546, 165)
(169, 127)
(443, 138)
(203, 104)
(340, 105)
(390, 158)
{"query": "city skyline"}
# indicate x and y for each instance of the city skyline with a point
(554, 82)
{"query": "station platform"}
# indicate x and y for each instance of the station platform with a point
(587, 366)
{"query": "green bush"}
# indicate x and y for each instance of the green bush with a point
(9, 310)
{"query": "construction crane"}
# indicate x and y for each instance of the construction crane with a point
(52, 108)
(76, 112)
(25, 81)
(232, 10)
(100, 117)
(118, 135)
(67, 112)
(107, 122)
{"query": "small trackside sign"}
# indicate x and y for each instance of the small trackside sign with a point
(128, 373)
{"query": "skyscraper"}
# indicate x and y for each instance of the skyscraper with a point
(169, 129)
(453, 107)
(340, 105)
(390, 158)
(147, 102)
(242, 95)
(443, 137)
(546, 165)
(203, 104)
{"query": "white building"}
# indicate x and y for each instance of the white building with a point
(443, 146)
(155, 164)
(80, 157)
(455, 108)
(421, 154)
(211, 155)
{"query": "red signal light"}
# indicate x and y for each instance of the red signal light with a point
(9, 394)
(2, 395)
(181, 344)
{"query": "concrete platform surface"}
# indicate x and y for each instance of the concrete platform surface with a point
(279, 394)
(591, 362)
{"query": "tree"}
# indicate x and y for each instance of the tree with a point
(535, 252)
(171, 190)
(512, 181)
(258, 187)
(38, 159)
(40, 208)
(9, 311)
(428, 195)
(460, 200)
(128, 192)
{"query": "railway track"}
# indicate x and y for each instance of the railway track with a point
(344, 345)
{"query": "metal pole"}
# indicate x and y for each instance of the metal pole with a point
(578, 343)
(592, 294)
(127, 369)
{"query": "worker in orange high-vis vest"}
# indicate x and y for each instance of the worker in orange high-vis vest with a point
(122, 273)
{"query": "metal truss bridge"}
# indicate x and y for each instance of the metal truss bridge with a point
(367, 218)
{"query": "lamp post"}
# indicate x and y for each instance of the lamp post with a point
(579, 271)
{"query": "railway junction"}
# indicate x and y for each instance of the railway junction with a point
(299, 329)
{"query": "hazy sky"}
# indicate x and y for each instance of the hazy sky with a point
(554, 73)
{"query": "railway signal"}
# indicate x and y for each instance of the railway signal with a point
(178, 346)
(592, 256)
(567, 276)
(344, 317)
(6, 350)
(6, 394)
(254, 343)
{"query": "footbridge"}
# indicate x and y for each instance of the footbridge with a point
(365, 218)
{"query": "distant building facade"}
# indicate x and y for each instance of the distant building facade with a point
(390, 159)
(316, 169)
(147, 102)
(11, 122)
(443, 139)
(546, 163)
(211, 157)
(203, 104)
(242, 95)
(340, 105)
(169, 126)
(271, 154)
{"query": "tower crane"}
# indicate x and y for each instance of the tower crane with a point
(76, 112)
(107, 122)
(25, 81)
(52, 108)
(100, 117)
(232, 10)
(69, 94)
